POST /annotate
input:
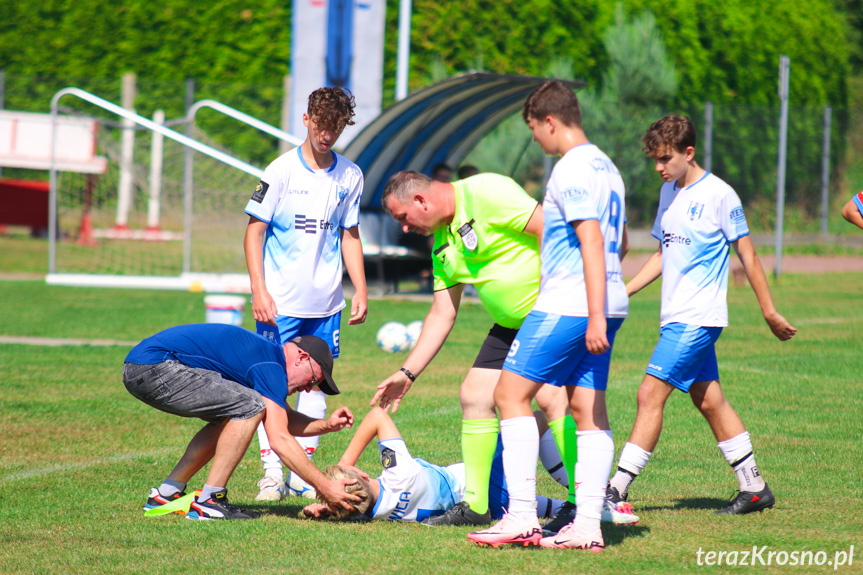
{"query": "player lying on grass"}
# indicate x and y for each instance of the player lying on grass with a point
(698, 219)
(233, 379)
(408, 489)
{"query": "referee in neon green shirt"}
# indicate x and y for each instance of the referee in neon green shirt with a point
(486, 233)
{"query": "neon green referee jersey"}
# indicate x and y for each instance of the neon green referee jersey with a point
(485, 245)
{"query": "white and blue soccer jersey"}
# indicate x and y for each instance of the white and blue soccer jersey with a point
(413, 489)
(696, 225)
(585, 185)
(305, 210)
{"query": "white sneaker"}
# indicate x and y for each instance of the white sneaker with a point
(509, 530)
(271, 489)
(619, 513)
(567, 538)
(299, 488)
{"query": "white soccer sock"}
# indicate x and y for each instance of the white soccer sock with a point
(632, 461)
(738, 453)
(170, 487)
(313, 404)
(520, 453)
(550, 457)
(595, 456)
(272, 463)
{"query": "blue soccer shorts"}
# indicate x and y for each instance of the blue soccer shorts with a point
(326, 328)
(550, 348)
(685, 354)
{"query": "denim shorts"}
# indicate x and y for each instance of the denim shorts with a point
(186, 391)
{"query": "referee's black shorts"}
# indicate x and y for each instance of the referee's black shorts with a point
(495, 347)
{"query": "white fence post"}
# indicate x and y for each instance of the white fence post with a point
(156, 155)
(124, 201)
(784, 74)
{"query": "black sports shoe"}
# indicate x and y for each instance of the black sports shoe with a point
(749, 501)
(460, 514)
(564, 516)
(156, 499)
(216, 507)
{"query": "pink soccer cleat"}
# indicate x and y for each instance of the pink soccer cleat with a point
(509, 530)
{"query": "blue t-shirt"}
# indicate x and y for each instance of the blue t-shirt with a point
(238, 354)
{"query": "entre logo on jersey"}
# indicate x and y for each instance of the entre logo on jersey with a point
(311, 225)
(669, 239)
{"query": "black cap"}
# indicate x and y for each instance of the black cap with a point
(320, 352)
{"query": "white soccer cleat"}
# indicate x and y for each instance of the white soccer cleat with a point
(567, 538)
(619, 513)
(298, 487)
(511, 530)
(271, 489)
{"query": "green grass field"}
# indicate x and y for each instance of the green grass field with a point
(79, 453)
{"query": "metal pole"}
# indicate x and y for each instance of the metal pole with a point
(188, 182)
(708, 136)
(52, 195)
(124, 201)
(286, 111)
(157, 148)
(404, 49)
(825, 170)
(784, 74)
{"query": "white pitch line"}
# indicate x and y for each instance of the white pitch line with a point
(53, 341)
(84, 465)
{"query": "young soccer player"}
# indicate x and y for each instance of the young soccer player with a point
(567, 337)
(699, 217)
(303, 221)
(408, 489)
(853, 210)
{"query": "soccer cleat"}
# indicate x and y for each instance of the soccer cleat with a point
(618, 513)
(564, 516)
(156, 500)
(567, 538)
(298, 487)
(511, 530)
(749, 501)
(271, 489)
(460, 514)
(217, 507)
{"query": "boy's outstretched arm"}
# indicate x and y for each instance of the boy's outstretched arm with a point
(376, 423)
(648, 273)
(755, 273)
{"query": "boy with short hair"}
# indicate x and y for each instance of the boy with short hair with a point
(303, 222)
(699, 217)
(567, 337)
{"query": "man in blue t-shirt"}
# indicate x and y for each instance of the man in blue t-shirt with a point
(233, 379)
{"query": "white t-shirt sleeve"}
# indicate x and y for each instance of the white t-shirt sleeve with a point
(732, 220)
(574, 198)
(351, 215)
(265, 198)
(400, 468)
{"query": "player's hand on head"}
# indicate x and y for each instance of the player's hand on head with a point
(334, 492)
(391, 391)
(341, 418)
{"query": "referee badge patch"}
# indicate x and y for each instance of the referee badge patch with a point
(388, 458)
(468, 236)
(260, 191)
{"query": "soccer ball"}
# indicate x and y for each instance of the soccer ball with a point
(414, 329)
(393, 337)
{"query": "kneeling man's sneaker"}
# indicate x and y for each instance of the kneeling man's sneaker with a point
(217, 507)
(509, 530)
(299, 488)
(749, 501)
(271, 489)
(156, 499)
(567, 538)
(564, 516)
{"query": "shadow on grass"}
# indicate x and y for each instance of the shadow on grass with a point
(616, 534)
(705, 503)
(283, 509)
